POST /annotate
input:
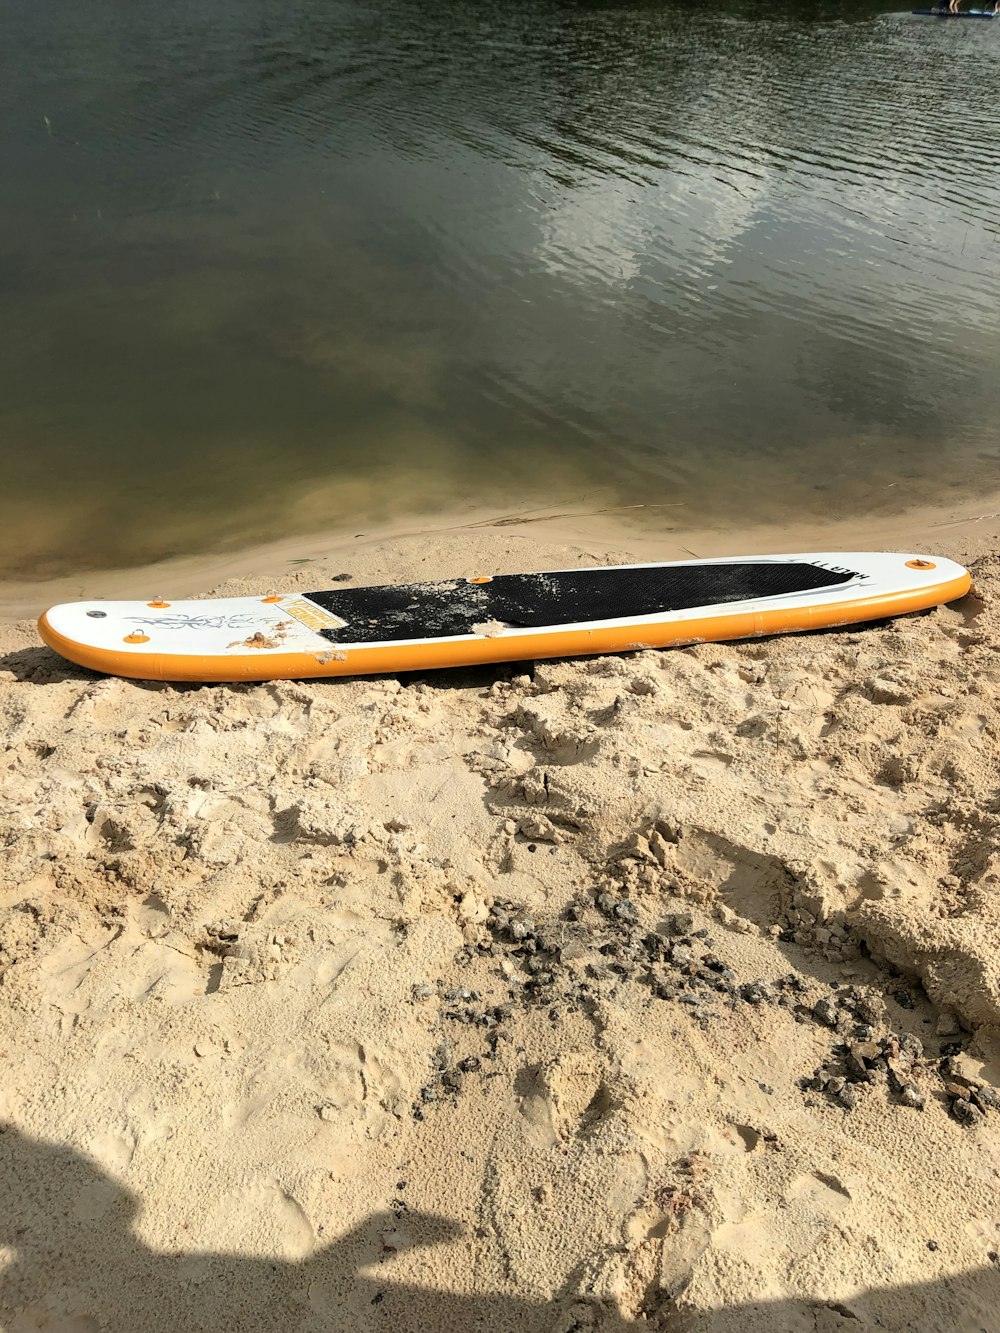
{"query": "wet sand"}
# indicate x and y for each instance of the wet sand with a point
(578, 530)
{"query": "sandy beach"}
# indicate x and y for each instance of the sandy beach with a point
(658, 991)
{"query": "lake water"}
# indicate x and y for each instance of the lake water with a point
(270, 266)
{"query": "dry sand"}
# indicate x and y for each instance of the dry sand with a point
(659, 991)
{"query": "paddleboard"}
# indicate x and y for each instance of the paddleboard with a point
(349, 631)
(962, 14)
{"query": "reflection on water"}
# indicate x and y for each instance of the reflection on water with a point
(267, 266)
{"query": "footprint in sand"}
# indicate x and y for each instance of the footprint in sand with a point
(152, 917)
(360, 1089)
(113, 1150)
(750, 1239)
(812, 1201)
(67, 968)
(822, 1195)
(564, 1098)
(342, 1082)
(96, 1199)
(259, 1219)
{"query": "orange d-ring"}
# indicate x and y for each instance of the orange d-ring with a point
(158, 604)
(486, 578)
(272, 598)
(920, 564)
(136, 638)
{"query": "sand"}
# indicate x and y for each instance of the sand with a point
(657, 991)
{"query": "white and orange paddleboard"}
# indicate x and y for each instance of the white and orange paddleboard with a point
(501, 618)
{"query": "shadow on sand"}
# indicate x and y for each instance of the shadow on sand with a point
(74, 1264)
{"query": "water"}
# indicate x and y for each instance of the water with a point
(266, 267)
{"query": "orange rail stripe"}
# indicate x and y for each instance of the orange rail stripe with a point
(471, 652)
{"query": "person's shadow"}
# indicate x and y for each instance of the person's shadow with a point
(73, 1264)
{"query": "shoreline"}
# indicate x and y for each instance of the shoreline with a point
(507, 543)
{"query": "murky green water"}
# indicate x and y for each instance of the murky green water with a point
(267, 266)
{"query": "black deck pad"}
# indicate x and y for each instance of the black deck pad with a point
(538, 601)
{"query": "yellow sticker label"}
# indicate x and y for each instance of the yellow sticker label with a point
(311, 615)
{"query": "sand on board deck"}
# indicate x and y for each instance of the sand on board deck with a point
(659, 991)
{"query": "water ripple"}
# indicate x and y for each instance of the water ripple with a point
(681, 251)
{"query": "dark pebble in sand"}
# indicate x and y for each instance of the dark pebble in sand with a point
(896, 1073)
(625, 910)
(655, 948)
(960, 1089)
(470, 1064)
(965, 1113)
(857, 1070)
(866, 1010)
(678, 923)
(848, 1096)
(910, 1095)
(664, 989)
(757, 992)
(826, 1012)
(911, 1046)
(932, 1245)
